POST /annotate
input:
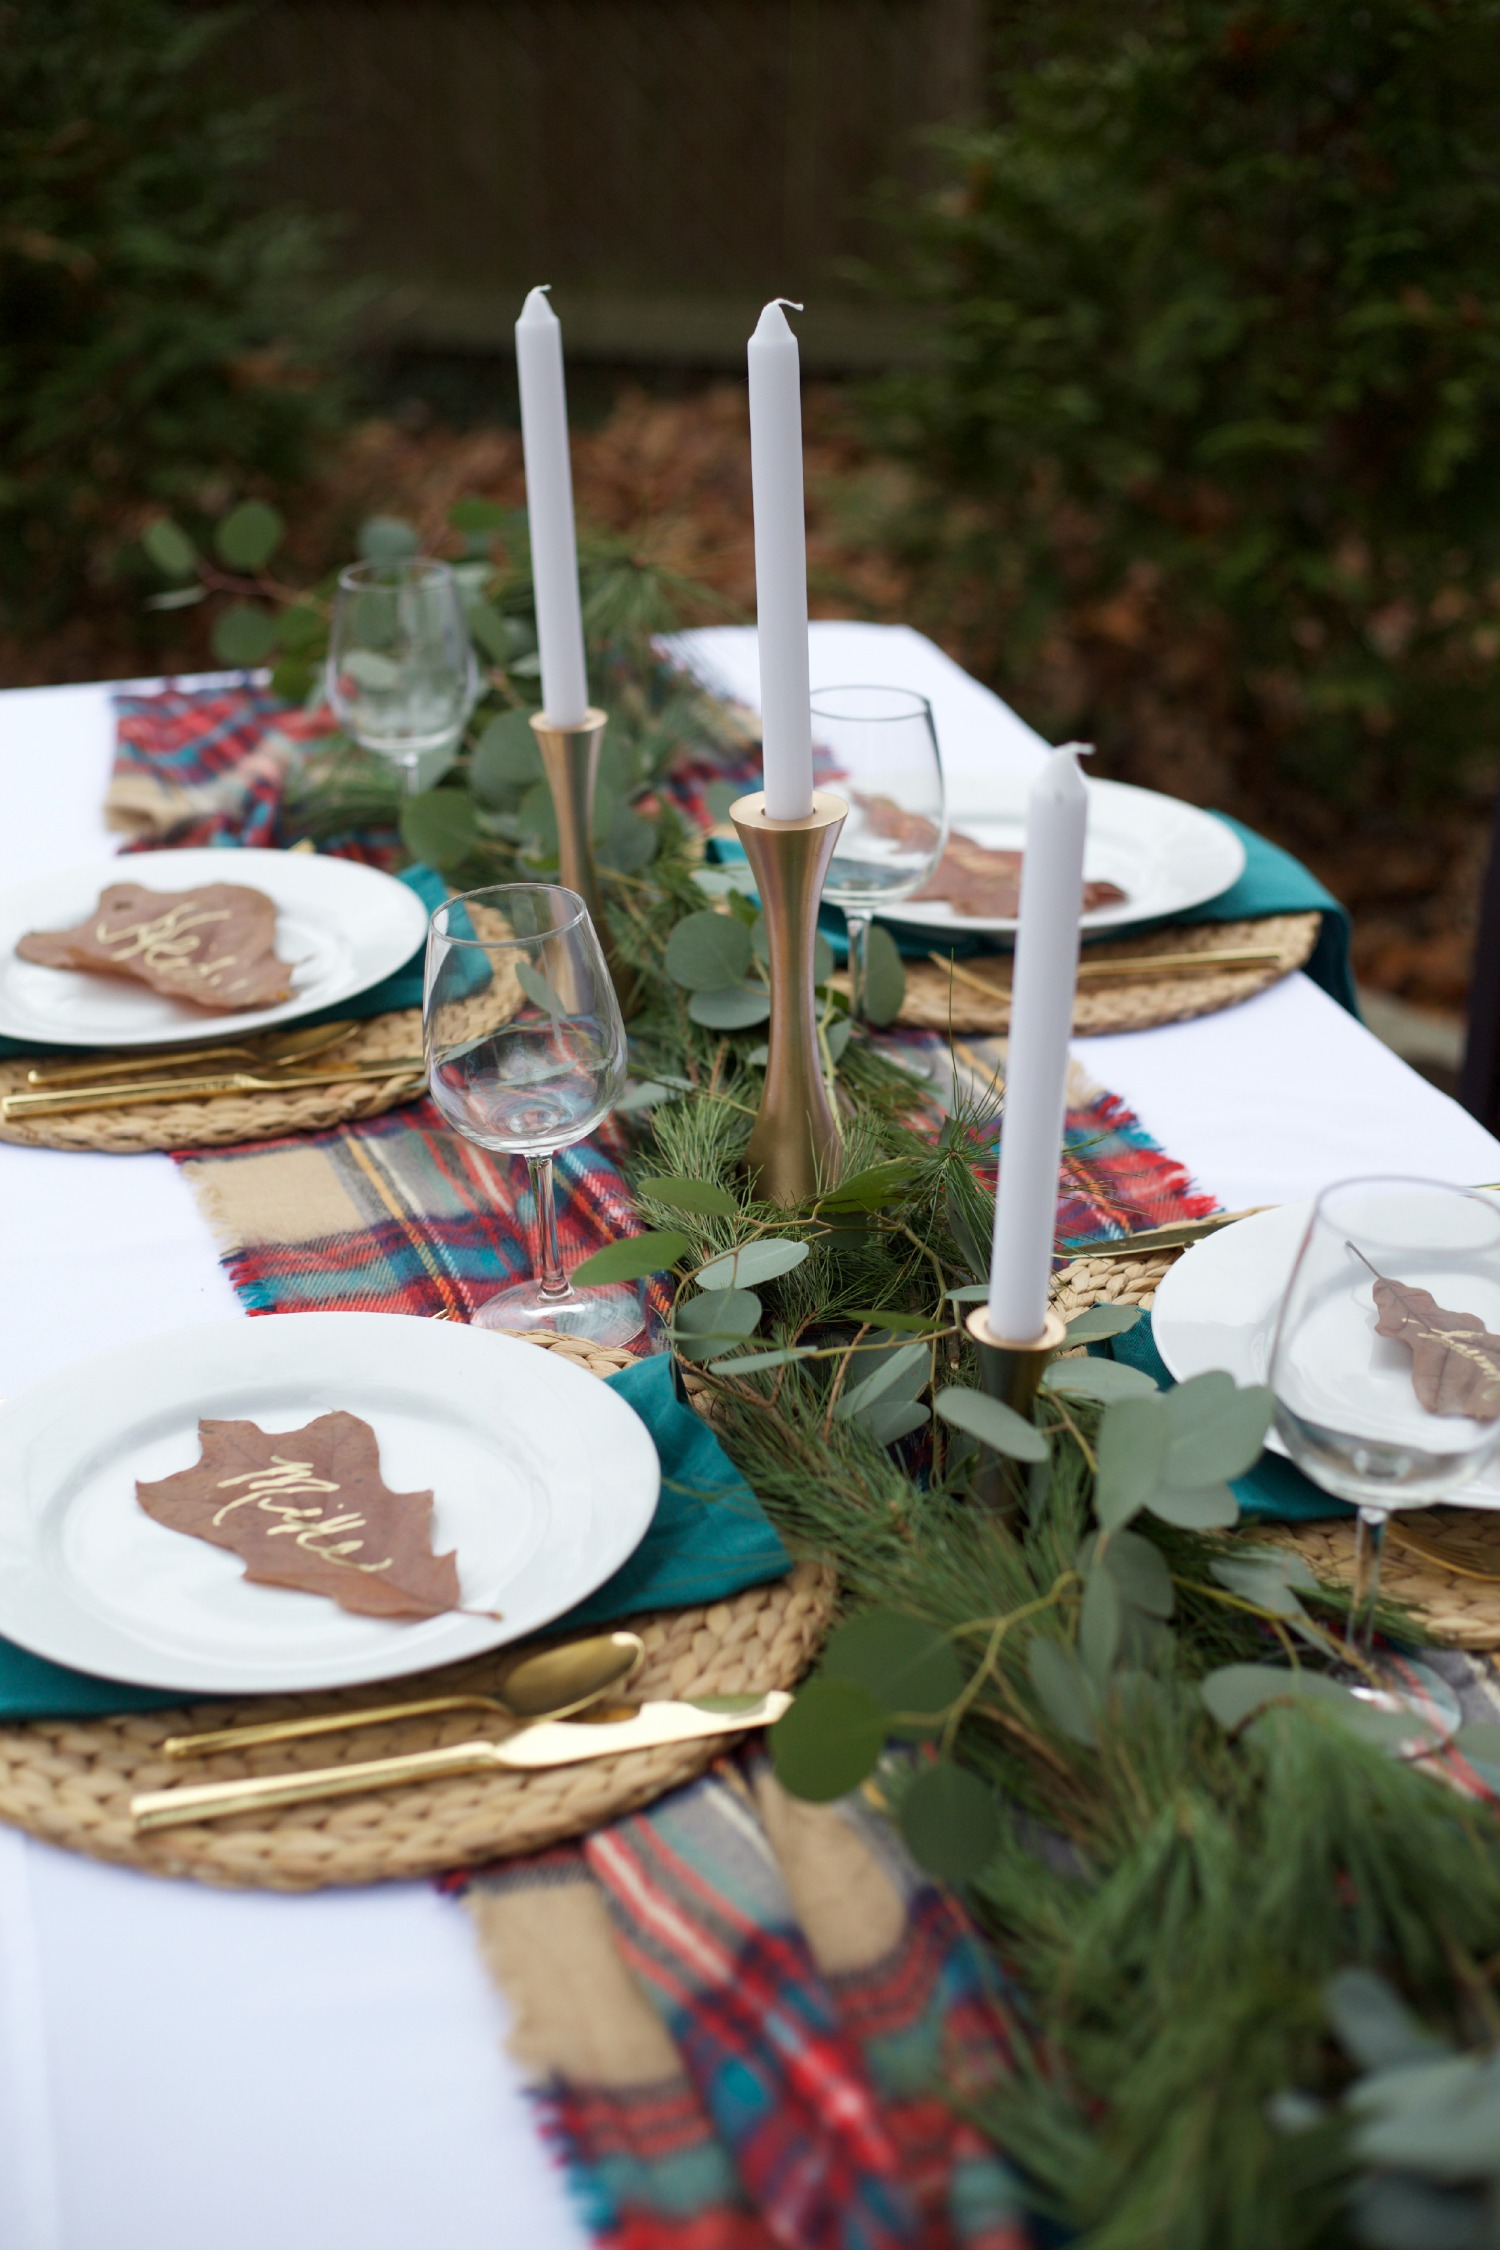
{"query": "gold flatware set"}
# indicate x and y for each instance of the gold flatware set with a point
(1126, 965)
(553, 1698)
(72, 1100)
(277, 1063)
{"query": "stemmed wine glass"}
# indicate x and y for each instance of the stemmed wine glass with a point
(401, 674)
(1386, 1363)
(526, 1055)
(884, 752)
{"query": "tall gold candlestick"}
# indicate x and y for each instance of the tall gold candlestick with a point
(570, 761)
(1011, 1373)
(794, 1146)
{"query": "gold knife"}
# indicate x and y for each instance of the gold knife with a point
(283, 1048)
(68, 1100)
(1177, 1236)
(552, 1742)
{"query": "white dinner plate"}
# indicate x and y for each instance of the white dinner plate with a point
(544, 1482)
(341, 925)
(1217, 1307)
(1164, 855)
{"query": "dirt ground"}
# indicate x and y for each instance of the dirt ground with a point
(673, 474)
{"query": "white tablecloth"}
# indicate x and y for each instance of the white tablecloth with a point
(183, 2069)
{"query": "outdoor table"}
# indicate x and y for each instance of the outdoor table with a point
(187, 2069)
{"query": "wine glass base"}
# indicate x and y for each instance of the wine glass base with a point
(599, 1316)
(1406, 1686)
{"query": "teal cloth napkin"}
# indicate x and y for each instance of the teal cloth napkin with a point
(1273, 883)
(1273, 1490)
(401, 989)
(708, 1539)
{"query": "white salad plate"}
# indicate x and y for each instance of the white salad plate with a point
(1218, 1307)
(342, 926)
(1164, 855)
(544, 1482)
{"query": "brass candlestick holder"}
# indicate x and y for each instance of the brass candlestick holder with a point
(794, 1147)
(570, 761)
(1011, 1373)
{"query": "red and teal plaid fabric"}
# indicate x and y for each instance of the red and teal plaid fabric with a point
(225, 750)
(813, 2109)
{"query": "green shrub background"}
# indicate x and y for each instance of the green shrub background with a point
(1210, 448)
(158, 323)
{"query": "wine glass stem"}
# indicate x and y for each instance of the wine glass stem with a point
(859, 930)
(410, 769)
(1369, 1540)
(549, 1269)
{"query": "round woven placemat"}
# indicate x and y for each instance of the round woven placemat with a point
(70, 1781)
(230, 1117)
(1458, 1605)
(974, 995)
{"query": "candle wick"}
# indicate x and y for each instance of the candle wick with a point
(791, 302)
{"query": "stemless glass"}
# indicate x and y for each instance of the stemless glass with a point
(884, 751)
(525, 1056)
(401, 673)
(1350, 1400)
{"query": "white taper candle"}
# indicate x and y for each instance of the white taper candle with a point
(1041, 1021)
(549, 509)
(780, 564)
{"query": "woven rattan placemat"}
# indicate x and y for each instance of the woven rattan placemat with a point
(1459, 1606)
(974, 995)
(71, 1781)
(230, 1117)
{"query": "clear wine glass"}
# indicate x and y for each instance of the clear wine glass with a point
(883, 749)
(401, 673)
(525, 1056)
(1386, 1363)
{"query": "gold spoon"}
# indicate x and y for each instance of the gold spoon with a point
(551, 1683)
(280, 1049)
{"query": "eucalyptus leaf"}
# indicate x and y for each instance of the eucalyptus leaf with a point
(540, 990)
(169, 548)
(1240, 1692)
(891, 1419)
(243, 635)
(1063, 1690)
(1099, 1624)
(907, 1665)
(1373, 2024)
(899, 1323)
(704, 1325)
(629, 842)
(475, 517)
(178, 597)
(1106, 1380)
(293, 678)
(1481, 1740)
(302, 628)
(645, 1093)
(972, 1293)
(249, 535)
(995, 1425)
(738, 1007)
(1261, 1579)
(439, 828)
(837, 1037)
(707, 952)
(1218, 1429)
(507, 761)
(1101, 1321)
(1131, 1447)
(892, 1372)
(1138, 1568)
(829, 1741)
(1211, 1508)
(752, 1264)
(1394, 2211)
(950, 1821)
(633, 1259)
(387, 539)
(885, 976)
(720, 797)
(487, 630)
(705, 1196)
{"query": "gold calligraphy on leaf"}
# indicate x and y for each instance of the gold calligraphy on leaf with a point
(272, 1491)
(167, 942)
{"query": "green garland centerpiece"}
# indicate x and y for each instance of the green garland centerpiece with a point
(1255, 1952)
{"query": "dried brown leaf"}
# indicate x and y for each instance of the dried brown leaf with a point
(309, 1509)
(214, 947)
(1455, 1360)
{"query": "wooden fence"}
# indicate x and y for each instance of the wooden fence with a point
(666, 164)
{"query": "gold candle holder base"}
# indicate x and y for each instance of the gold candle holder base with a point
(570, 761)
(1011, 1373)
(794, 1146)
